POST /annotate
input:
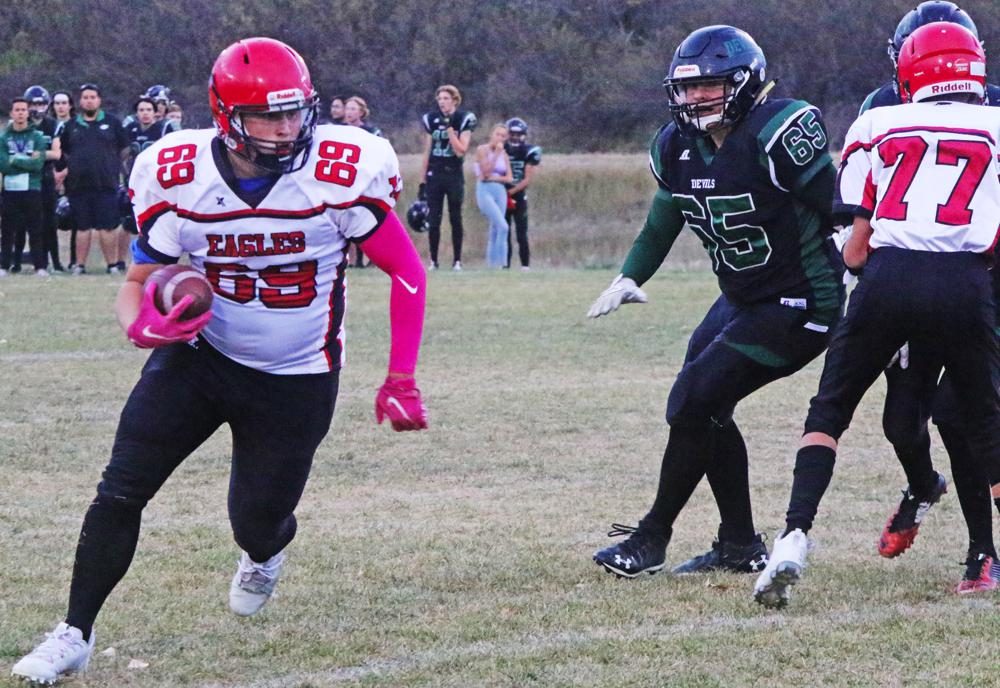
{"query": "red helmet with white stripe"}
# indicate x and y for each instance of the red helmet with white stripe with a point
(261, 75)
(939, 59)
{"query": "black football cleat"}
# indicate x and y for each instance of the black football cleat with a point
(729, 556)
(640, 552)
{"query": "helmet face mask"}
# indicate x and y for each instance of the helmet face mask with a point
(715, 76)
(262, 78)
(38, 102)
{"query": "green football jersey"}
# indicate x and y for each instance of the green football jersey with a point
(745, 203)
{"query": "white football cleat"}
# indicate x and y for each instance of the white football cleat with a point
(64, 651)
(254, 583)
(783, 570)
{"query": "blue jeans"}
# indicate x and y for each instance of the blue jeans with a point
(491, 197)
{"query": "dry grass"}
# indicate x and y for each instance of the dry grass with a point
(461, 556)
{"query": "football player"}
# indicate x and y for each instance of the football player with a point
(922, 181)
(913, 392)
(753, 178)
(264, 205)
(524, 159)
(448, 132)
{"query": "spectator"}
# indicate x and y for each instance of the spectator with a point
(492, 169)
(143, 131)
(523, 161)
(95, 144)
(38, 106)
(160, 95)
(175, 113)
(356, 115)
(448, 133)
(337, 110)
(22, 156)
(62, 111)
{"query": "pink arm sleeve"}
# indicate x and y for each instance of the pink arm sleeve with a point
(391, 249)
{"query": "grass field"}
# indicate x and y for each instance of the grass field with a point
(460, 557)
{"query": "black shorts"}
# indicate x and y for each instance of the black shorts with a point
(95, 209)
(942, 303)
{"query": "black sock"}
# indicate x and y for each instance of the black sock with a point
(688, 452)
(728, 475)
(107, 543)
(916, 462)
(973, 489)
(813, 471)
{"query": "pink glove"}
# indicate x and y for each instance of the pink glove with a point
(152, 329)
(399, 399)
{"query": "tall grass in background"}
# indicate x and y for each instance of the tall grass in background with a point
(585, 210)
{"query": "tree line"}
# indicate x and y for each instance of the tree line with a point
(585, 73)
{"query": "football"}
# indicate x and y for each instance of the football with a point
(174, 282)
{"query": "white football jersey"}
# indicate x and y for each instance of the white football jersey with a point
(926, 175)
(276, 263)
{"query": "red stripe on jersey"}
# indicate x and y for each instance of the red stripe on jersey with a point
(262, 212)
(153, 210)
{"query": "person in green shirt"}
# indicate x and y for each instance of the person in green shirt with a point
(22, 157)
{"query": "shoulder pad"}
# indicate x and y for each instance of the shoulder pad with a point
(993, 95)
(534, 155)
(776, 115)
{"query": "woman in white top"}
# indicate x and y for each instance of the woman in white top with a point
(492, 169)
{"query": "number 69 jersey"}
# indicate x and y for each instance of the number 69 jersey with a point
(925, 174)
(273, 248)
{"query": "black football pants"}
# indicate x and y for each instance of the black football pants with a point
(441, 184)
(943, 304)
(21, 217)
(735, 351)
(518, 219)
(183, 396)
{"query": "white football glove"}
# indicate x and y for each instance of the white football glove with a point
(902, 357)
(841, 236)
(622, 290)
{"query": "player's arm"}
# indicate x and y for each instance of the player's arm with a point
(663, 224)
(372, 223)
(55, 149)
(158, 244)
(856, 247)
(461, 139)
(34, 161)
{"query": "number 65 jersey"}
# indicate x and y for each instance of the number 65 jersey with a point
(273, 248)
(925, 174)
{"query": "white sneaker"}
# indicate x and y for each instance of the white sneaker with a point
(457, 267)
(63, 652)
(41, 273)
(254, 583)
(432, 266)
(78, 270)
(525, 268)
(3, 273)
(783, 570)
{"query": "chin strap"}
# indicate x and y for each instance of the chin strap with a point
(764, 90)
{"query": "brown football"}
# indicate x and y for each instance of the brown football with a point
(174, 282)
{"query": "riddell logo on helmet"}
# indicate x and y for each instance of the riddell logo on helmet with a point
(287, 96)
(683, 71)
(952, 87)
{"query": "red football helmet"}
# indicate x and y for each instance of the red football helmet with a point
(938, 59)
(258, 75)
